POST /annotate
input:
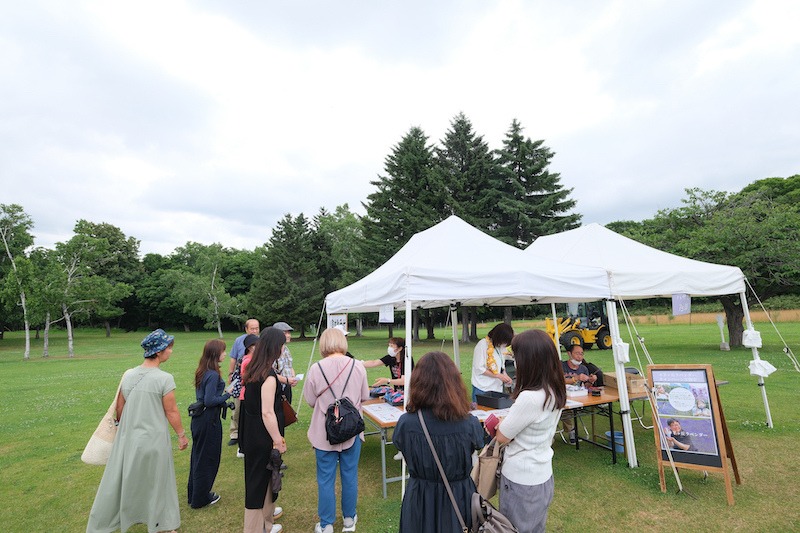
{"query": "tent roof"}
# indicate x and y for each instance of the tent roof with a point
(453, 262)
(637, 270)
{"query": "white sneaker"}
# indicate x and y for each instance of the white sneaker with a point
(277, 513)
(350, 524)
(398, 456)
(276, 528)
(239, 453)
(319, 529)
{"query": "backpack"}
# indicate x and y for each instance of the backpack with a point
(342, 420)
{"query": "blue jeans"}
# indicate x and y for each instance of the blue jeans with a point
(476, 390)
(326, 482)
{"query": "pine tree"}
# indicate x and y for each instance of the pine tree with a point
(465, 168)
(534, 202)
(408, 199)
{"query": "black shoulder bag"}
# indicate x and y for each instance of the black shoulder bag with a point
(342, 420)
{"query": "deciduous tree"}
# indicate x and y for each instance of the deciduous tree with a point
(15, 226)
(748, 229)
(120, 264)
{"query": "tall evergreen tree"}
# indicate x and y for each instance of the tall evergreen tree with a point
(465, 168)
(533, 202)
(286, 281)
(408, 199)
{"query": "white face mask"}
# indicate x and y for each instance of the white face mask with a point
(390, 351)
(574, 362)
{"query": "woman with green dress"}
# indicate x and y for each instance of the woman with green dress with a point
(138, 485)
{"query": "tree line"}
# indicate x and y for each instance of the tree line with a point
(98, 277)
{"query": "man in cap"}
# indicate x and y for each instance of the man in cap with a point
(251, 327)
(283, 366)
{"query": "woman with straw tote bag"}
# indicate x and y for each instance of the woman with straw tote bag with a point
(98, 449)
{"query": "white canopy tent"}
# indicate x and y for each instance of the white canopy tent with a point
(454, 263)
(638, 271)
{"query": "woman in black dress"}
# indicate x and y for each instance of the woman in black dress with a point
(262, 429)
(207, 428)
(438, 391)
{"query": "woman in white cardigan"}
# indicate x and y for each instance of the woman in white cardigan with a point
(526, 483)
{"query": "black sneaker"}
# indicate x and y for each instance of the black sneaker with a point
(214, 498)
(572, 437)
(233, 442)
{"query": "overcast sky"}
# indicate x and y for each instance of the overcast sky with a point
(207, 121)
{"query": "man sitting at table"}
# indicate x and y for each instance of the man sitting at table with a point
(576, 372)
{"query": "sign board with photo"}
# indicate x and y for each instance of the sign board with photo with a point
(690, 421)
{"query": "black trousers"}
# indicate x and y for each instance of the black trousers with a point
(206, 452)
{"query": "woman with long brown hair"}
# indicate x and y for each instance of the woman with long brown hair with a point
(260, 432)
(526, 483)
(207, 428)
(439, 393)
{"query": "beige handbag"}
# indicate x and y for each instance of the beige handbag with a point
(98, 449)
(486, 472)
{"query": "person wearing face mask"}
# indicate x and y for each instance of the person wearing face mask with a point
(575, 373)
(488, 361)
(575, 370)
(395, 359)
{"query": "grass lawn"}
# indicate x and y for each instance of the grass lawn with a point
(50, 407)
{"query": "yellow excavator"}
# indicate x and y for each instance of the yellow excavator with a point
(586, 325)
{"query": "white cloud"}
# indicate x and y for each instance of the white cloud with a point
(212, 108)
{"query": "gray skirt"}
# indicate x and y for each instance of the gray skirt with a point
(526, 505)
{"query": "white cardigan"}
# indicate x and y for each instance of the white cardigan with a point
(528, 457)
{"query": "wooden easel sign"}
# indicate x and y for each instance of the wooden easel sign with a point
(690, 421)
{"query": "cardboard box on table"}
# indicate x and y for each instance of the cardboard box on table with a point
(635, 382)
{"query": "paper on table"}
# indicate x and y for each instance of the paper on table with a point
(383, 412)
(481, 415)
(572, 404)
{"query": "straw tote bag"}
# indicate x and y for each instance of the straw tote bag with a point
(98, 449)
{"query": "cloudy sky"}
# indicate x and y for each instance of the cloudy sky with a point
(208, 120)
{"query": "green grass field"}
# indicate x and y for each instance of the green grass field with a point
(50, 407)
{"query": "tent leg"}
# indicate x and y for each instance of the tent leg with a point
(555, 325)
(746, 309)
(622, 384)
(454, 320)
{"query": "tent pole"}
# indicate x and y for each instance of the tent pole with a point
(622, 383)
(555, 326)
(454, 320)
(746, 309)
(406, 381)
